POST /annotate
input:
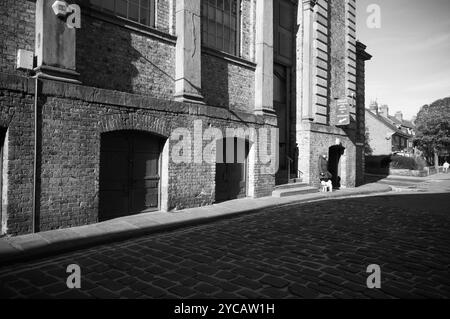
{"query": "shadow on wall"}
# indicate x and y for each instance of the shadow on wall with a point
(105, 59)
(215, 86)
(113, 57)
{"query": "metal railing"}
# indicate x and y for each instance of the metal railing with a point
(299, 172)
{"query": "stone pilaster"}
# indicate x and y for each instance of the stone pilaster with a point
(264, 57)
(188, 52)
(350, 55)
(320, 63)
(55, 44)
(307, 12)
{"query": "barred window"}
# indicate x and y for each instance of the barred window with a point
(220, 25)
(140, 11)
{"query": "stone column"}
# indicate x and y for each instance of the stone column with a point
(306, 80)
(188, 80)
(264, 57)
(55, 44)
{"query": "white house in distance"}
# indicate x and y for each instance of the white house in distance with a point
(389, 134)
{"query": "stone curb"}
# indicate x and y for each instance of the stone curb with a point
(40, 245)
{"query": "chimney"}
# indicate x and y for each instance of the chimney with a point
(384, 110)
(374, 107)
(399, 116)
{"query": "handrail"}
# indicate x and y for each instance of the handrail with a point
(290, 160)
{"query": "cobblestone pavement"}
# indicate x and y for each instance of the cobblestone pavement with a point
(316, 250)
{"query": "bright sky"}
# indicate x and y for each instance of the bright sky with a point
(411, 53)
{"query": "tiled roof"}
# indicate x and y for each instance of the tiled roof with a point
(389, 123)
(405, 123)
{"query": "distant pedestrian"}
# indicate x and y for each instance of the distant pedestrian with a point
(446, 166)
(324, 175)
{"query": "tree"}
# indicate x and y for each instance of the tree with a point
(433, 129)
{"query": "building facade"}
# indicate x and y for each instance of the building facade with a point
(126, 104)
(389, 134)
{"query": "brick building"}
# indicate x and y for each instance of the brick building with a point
(89, 133)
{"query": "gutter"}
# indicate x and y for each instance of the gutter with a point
(36, 113)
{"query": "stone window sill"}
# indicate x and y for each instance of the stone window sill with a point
(229, 57)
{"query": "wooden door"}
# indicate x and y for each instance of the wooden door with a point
(144, 193)
(129, 173)
(231, 176)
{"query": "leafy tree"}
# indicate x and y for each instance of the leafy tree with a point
(433, 129)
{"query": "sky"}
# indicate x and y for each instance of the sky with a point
(411, 53)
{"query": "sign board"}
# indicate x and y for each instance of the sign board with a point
(343, 112)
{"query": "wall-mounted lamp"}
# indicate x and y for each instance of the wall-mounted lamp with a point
(70, 12)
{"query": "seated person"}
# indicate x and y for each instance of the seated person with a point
(324, 175)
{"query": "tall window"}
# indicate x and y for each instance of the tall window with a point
(140, 11)
(220, 25)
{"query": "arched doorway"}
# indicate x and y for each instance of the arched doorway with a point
(334, 164)
(231, 169)
(129, 173)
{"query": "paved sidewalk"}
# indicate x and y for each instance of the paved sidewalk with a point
(437, 183)
(47, 243)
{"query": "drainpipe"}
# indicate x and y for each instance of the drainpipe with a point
(36, 96)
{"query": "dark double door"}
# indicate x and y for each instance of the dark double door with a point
(231, 171)
(129, 173)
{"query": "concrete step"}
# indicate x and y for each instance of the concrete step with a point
(299, 190)
(291, 185)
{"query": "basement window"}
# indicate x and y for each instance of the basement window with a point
(220, 25)
(140, 11)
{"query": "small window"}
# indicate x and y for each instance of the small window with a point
(220, 25)
(139, 11)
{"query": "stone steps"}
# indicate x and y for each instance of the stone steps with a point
(293, 189)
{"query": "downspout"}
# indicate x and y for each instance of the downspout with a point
(36, 96)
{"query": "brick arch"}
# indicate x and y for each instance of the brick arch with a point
(5, 119)
(139, 122)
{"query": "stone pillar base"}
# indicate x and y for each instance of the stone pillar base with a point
(189, 98)
(59, 74)
(265, 111)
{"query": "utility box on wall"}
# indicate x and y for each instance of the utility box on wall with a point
(25, 60)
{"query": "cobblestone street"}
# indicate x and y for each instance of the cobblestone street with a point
(316, 250)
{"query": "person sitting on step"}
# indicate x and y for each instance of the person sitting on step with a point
(324, 175)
